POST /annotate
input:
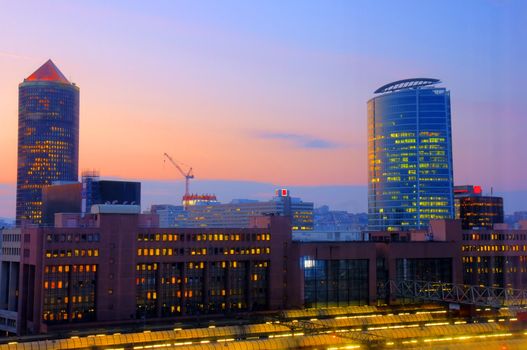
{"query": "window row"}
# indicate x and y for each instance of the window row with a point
(66, 253)
(10, 251)
(10, 237)
(72, 238)
(494, 248)
(494, 237)
(201, 251)
(170, 237)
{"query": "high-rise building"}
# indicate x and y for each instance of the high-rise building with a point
(409, 155)
(475, 210)
(48, 137)
(480, 212)
(462, 192)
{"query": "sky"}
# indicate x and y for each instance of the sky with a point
(268, 93)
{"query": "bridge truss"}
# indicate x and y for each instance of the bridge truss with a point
(457, 293)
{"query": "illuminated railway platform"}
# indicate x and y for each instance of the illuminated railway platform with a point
(342, 328)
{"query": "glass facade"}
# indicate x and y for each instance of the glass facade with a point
(429, 269)
(495, 258)
(171, 289)
(200, 287)
(48, 138)
(410, 177)
(480, 212)
(69, 293)
(238, 213)
(146, 290)
(335, 282)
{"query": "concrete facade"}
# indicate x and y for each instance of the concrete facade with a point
(117, 266)
(9, 278)
(112, 249)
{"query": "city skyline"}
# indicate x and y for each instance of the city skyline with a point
(200, 93)
(322, 165)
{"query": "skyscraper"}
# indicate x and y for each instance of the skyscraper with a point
(409, 155)
(48, 137)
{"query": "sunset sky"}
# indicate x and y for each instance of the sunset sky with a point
(267, 92)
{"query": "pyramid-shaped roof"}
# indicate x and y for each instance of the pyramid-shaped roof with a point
(48, 72)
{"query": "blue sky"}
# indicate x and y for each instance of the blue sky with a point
(269, 92)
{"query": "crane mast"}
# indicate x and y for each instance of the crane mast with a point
(187, 175)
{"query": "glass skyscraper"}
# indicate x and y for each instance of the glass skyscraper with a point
(48, 137)
(410, 177)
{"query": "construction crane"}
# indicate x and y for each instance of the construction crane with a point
(188, 175)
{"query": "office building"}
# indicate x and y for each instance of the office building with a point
(516, 219)
(495, 257)
(117, 267)
(238, 212)
(97, 191)
(48, 137)
(170, 215)
(409, 155)
(334, 225)
(481, 212)
(462, 192)
(475, 210)
(10, 241)
(60, 198)
(355, 273)
(79, 197)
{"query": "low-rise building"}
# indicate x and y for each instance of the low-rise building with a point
(238, 213)
(10, 241)
(117, 266)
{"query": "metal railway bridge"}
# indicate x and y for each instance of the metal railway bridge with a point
(346, 327)
(456, 293)
(473, 295)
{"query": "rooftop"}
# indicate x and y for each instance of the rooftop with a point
(48, 72)
(406, 84)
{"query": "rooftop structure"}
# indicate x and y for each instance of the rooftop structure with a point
(199, 199)
(408, 327)
(467, 191)
(80, 197)
(48, 72)
(406, 84)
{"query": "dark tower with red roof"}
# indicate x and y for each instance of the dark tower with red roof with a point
(48, 137)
